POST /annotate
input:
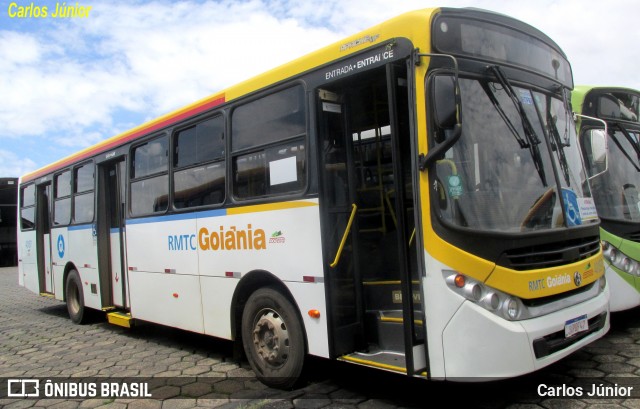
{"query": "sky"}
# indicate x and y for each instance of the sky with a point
(68, 83)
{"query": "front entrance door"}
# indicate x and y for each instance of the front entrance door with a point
(367, 199)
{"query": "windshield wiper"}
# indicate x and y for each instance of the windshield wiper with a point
(558, 145)
(523, 144)
(532, 140)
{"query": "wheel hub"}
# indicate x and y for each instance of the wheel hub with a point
(271, 338)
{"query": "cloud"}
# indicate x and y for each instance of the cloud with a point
(146, 58)
(13, 166)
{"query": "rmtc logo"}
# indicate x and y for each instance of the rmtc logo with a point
(224, 238)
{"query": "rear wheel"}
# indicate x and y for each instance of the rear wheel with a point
(74, 295)
(273, 339)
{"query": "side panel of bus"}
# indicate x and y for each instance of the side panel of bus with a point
(83, 254)
(163, 278)
(192, 264)
(28, 269)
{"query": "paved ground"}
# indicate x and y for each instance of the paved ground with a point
(184, 370)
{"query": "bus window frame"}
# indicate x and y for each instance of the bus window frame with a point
(131, 179)
(263, 148)
(54, 199)
(173, 168)
(22, 189)
(75, 194)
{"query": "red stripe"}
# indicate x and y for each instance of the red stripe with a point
(125, 138)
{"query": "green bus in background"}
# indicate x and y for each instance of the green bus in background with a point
(609, 134)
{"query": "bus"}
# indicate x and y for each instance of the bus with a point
(8, 221)
(411, 198)
(609, 136)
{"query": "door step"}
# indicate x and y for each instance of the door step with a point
(120, 318)
(387, 360)
(385, 329)
(48, 295)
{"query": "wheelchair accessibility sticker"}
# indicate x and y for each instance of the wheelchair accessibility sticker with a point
(578, 209)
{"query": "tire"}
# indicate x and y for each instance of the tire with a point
(273, 339)
(74, 296)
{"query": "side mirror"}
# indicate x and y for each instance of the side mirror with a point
(444, 98)
(599, 151)
(446, 105)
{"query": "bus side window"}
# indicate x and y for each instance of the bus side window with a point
(150, 179)
(268, 138)
(62, 202)
(199, 175)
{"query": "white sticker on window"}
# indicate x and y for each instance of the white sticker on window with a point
(283, 171)
(587, 208)
(329, 107)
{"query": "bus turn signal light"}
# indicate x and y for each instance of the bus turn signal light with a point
(459, 281)
(314, 314)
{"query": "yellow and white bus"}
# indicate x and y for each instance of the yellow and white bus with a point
(411, 198)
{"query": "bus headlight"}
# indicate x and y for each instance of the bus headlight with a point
(473, 291)
(490, 299)
(620, 260)
(512, 308)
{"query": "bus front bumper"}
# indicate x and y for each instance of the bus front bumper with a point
(480, 346)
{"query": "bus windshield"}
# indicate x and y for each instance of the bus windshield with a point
(616, 190)
(516, 165)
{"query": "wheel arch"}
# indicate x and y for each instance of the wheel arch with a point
(251, 282)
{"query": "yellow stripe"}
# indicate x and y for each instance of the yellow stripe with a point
(388, 282)
(268, 207)
(374, 364)
(398, 320)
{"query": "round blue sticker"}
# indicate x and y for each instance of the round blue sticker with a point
(61, 246)
(455, 186)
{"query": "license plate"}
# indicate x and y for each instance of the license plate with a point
(576, 325)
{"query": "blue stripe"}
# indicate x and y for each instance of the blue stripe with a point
(80, 227)
(179, 216)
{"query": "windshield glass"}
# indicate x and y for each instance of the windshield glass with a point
(501, 175)
(615, 191)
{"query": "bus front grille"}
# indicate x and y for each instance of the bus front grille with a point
(633, 236)
(550, 254)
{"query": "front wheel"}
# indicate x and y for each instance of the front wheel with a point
(75, 298)
(273, 339)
